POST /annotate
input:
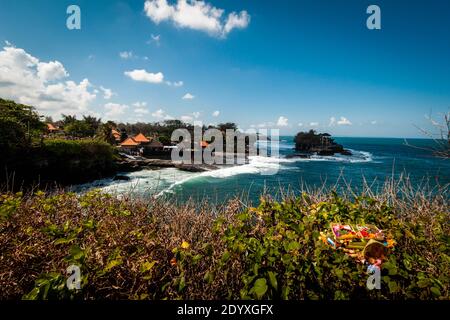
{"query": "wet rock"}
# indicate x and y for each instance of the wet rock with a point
(121, 178)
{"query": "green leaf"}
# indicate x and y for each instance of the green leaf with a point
(435, 291)
(285, 293)
(393, 287)
(273, 280)
(182, 284)
(209, 277)
(293, 245)
(32, 295)
(113, 263)
(147, 266)
(339, 273)
(260, 287)
(225, 257)
(64, 240)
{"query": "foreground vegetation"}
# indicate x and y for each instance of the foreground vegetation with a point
(135, 249)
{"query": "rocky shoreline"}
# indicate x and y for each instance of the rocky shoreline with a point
(140, 163)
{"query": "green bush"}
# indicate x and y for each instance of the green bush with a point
(134, 249)
(78, 149)
(284, 258)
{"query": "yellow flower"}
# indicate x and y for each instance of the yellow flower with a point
(185, 245)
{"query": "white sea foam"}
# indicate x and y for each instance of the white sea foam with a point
(162, 181)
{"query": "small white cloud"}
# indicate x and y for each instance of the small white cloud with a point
(114, 111)
(140, 108)
(126, 55)
(175, 84)
(161, 114)
(196, 114)
(313, 124)
(107, 93)
(141, 111)
(187, 118)
(237, 21)
(282, 122)
(144, 76)
(332, 122)
(188, 96)
(265, 125)
(300, 124)
(343, 121)
(216, 113)
(373, 122)
(155, 39)
(139, 104)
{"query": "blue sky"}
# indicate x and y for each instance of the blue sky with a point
(273, 63)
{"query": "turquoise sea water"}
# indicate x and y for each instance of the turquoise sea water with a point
(373, 159)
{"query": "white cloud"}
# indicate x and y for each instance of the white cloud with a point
(161, 115)
(175, 84)
(155, 39)
(114, 111)
(187, 118)
(144, 76)
(107, 93)
(373, 122)
(196, 114)
(265, 125)
(282, 122)
(139, 104)
(332, 122)
(52, 70)
(216, 113)
(25, 79)
(343, 121)
(141, 108)
(313, 124)
(300, 124)
(196, 15)
(237, 21)
(188, 96)
(141, 111)
(126, 55)
(158, 10)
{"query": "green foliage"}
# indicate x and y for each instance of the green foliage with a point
(19, 125)
(78, 149)
(9, 204)
(284, 259)
(156, 250)
(104, 132)
(81, 128)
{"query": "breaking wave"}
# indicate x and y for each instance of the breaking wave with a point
(163, 181)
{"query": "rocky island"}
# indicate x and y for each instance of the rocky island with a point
(307, 143)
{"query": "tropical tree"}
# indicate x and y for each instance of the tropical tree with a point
(20, 125)
(104, 132)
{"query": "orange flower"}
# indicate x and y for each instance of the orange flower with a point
(173, 261)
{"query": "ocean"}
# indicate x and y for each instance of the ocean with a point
(373, 160)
